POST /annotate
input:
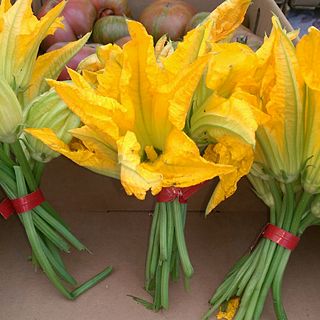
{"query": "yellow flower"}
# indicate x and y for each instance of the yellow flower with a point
(280, 139)
(133, 119)
(233, 151)
(232, 307)
(307, 51)
(19, 44)
(20, 36)
(218, 25)
(225, 114)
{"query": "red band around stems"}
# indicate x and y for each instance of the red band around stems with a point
(6, 208)
(282, 237)
(28, 202)
(182, 194)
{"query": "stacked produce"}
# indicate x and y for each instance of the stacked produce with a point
(163, 105)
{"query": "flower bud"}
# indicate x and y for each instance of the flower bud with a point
(48, 111)
(11, 116)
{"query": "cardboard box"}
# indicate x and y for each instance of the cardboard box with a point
(304, 4)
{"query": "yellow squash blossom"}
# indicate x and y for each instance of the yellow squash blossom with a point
(136, 108)
(133, 120)
(280, 139)
(225, 114)
(19, 65)
(308, 50)
(22, 72)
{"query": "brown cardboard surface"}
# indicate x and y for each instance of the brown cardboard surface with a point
(120, 238)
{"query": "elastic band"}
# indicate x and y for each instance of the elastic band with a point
(280, 236)
(6, 208)
(182, 194)
(28, 202)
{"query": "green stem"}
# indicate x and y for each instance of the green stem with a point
(308, 221)
(163, 232)
(152, 240)
(285, 217)
(165, 276)
(60, 228)
(38, 169)
(24, 164)
(91, 282)
(284, 256)
(181, 244)
(277, 284)
(302, 207)
(35, 241)
(5, 156)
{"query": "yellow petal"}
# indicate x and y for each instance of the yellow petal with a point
(282, 94)
(138, 78)
(229, 313)
(220, 23)
(19, 45)
(311, 176)
(109, 79)
(5, 5)
(183, 90)
(135, 178)
(224, 117)
(151, 153)
(183, 166)
(308, 53)
(231, 65)
(90, 63)
(227, 17)
(49, 65)
(94, 110)
(91, 155)
(229, 151)
(187, 51)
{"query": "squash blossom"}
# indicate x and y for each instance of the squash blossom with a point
(280, 140)
(134, 119)
(22, 72)
(285, 174)
(158, 117)
(307, 51)
(48, 110)
(134, 110)
(23, 102)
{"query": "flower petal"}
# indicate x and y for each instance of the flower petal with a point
(91, 154)
(183, 166)
(229, 151)
(135, 178)
(49, 65)
(308, 53)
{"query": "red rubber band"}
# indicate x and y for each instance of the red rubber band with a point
(28, 202)
(6, 208)
(182, 194)
(282, 237)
